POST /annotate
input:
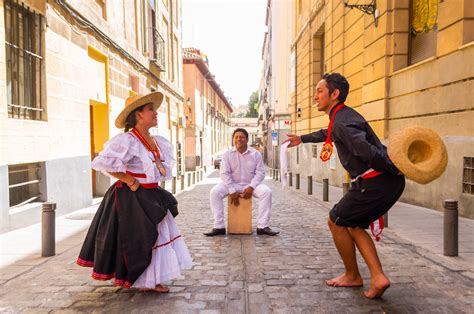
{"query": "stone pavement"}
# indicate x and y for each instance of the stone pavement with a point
(239, 274)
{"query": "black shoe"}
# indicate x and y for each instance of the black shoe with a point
(267, 231)
(215, 231)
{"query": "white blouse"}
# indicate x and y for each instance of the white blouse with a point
(124, 152)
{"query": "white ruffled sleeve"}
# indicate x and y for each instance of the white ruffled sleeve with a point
(167, 154)
(116, 154)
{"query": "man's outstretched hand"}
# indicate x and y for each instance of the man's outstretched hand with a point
(234, 198)
(247, 193)
(294, 140)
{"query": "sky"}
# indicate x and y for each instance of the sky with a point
(230, 33)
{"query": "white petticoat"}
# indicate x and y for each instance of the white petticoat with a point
(169, 256)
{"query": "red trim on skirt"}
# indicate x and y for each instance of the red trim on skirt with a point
(84, 263)
(169, 242)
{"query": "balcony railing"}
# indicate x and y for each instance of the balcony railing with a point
(157, 49)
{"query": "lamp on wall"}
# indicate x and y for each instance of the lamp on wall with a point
(370, 9)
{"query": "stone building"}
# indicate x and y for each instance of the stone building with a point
(408, 63)
(207, 112)
(66, 69)
(275, 101)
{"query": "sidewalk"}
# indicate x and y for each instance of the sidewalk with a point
(418, 226)
(20, 249)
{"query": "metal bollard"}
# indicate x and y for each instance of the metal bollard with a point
(385, 220)
(201, 174)
(48, 229)
(451, 244)
(310, 185)
(290, 179)
(198, 175)
(277, 174)
(173, 185)
(325, 190)
(205, 168)
(189, 179)
(297, 181)
(182, 182)
(194, 177)
(345, 188)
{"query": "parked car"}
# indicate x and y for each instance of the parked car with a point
(217, 161)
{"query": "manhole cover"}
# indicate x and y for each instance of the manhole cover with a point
(81, 216)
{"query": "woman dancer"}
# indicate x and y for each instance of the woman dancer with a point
(133, 237)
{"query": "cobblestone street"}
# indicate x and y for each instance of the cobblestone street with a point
(250, 274)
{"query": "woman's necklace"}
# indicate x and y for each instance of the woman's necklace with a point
(155, 151)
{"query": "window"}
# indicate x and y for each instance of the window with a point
(423, 16)
(24, 62)
(103, 8)
(298, 154)
(314, 150)
(24, 183)
(468, 176)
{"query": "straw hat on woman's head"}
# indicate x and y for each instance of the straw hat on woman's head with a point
(134, 102)
(419, 153)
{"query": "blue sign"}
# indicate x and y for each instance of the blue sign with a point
(275, 138)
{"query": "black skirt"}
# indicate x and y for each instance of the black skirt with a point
(123, 232)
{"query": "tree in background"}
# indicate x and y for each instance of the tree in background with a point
(253, 105)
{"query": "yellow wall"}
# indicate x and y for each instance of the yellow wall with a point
(389, 92)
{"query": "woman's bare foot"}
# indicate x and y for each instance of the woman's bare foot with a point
(345, 281)
(161, 289)
(158, 288)
(378, 285)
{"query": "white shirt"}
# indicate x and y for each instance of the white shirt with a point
(239, 170)
(124, 152)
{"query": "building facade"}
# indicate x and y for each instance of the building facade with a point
(66, 69)
(275, 101)
(207, 112)
(409, 63)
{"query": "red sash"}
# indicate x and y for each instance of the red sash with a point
(326, 151)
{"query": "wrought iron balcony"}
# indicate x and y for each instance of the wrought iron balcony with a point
(157, 49)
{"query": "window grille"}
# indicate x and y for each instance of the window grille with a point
(24, 61)
(468, 176)
(23, 183)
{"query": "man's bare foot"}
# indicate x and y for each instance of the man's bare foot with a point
(378, 285)
(345, 281)
(158, 288)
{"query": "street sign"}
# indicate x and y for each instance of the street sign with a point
(275, 138)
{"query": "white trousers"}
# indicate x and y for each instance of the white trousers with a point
(262, 192)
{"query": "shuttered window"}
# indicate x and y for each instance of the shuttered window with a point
(422, 46)
(468, 176)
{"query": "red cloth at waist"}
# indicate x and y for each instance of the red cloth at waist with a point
(371, 174)
(136, 175)
(153, 185)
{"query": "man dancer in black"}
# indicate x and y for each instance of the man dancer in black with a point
(377, 183)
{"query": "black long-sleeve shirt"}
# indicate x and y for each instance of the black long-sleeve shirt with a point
(358, 148)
